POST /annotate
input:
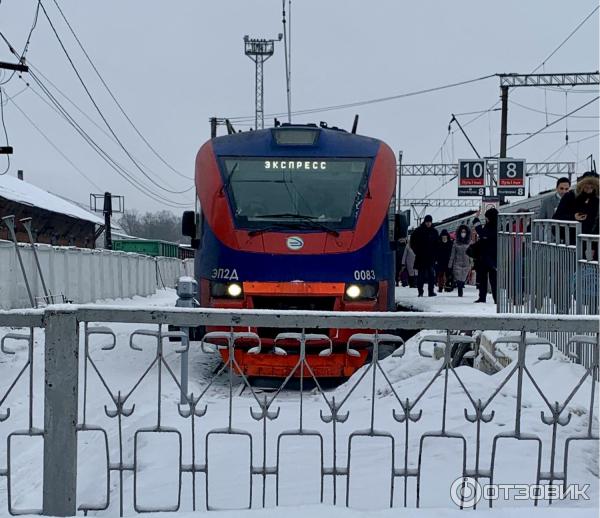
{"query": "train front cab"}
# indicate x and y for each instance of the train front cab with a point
(339, 269)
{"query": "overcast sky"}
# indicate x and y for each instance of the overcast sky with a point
(172, 65)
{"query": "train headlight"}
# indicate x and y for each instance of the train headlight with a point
(361, 291)
(353, 291)
(234, 290)
(225, 290)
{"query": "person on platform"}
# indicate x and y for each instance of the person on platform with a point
(487, 250)
(550, 202)
(408, 265)
(459, 261)
(444, 250)
(581, 203)
(424, 241)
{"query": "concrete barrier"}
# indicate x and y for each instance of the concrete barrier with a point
(84, 275)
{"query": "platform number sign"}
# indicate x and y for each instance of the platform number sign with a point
(511, 176)
(471, 177)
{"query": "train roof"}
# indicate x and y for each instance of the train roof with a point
(307, 140)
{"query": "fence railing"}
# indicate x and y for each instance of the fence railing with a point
(114, 385)
(547, 266)
(82, 275)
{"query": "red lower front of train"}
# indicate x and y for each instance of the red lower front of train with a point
(318, 296)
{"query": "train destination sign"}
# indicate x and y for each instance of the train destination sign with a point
(471, 177)
(511, 176)
(299, 165)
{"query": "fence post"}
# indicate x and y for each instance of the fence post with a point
(60, 413)
(578, 258)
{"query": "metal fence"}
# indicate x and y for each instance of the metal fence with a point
(84, 396)
(29, 273)
(548, 267)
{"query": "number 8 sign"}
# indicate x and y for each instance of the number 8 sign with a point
(511, 176)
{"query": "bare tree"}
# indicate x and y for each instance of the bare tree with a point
(163, 225)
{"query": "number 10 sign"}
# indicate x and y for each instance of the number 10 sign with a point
(471, 177)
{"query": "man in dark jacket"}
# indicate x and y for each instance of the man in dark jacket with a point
(487, 251)
(424, 242)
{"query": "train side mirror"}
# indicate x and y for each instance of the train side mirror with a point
(188, 224)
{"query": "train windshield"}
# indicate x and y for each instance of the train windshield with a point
(286, 192)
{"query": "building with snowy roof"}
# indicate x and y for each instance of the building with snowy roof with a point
(55, 220)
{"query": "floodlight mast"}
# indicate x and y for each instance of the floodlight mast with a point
(259, 50)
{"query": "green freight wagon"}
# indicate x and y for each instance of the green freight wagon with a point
(154, 248)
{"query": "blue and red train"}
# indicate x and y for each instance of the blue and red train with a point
(295, 217)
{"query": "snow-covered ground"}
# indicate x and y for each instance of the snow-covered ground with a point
(371, 457)
(446, 301)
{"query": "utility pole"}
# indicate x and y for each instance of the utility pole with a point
(107, 214)
(15, 67)
(399, 185)
(513, 80)
(213, 127)
(110, 204)
(503, 121)
(288, 58)
(259, 50)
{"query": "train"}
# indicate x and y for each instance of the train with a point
(529, 204)
(154, 248)
(295, 217)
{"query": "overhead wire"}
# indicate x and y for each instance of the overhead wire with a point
(114, 98)
(102, 116)
(27, 42)
(553, 122)
(368, 101)
(562, 147)
(56, 148)
(521, 133)
(478, 114)
(83, 112)
(99, 150)
(565, 40)
(566, 88)
(5, 131)
(550, 113)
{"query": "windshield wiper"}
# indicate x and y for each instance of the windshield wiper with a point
(287, 215)
(277, 226)
(295, 225)
(310, 221)
(316, 224)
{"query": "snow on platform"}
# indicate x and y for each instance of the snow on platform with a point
(445, 302)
